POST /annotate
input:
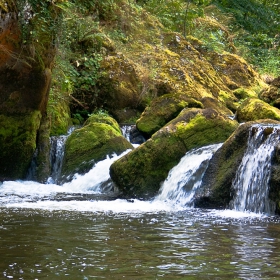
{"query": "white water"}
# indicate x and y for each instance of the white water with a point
(176, 193)
(173, 196)
(184, 179)
(22, 193)
(57, 154)
(252, 178)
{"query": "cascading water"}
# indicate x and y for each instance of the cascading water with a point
(132, 135)
(178, 190)
(184, 179)
(252, 178)
(56, 155)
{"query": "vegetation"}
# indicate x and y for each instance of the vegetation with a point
(92, 29)
(256, 27)
(253, 26)
(126, 57)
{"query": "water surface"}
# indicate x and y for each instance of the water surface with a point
(187, 244)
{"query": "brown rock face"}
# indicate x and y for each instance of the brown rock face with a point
(25, 77)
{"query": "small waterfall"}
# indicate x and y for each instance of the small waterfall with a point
(252, 178)
(184, 179)
(131, 133)
(126, 129)
(56, 155)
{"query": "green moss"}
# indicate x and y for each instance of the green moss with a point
(17, 143)
(140, 172)
(202, 131)
(162, 110)
(243, 93)
(59, 113)
(105, 119)
(99, 137)
(254, 109)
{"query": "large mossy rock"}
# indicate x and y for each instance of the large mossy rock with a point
(99, 137)
(26, 58)
(216, 190)
(118, 85)
(253, 109)
(18, 135)
(162, 110)
(140, 173)
(271, 95)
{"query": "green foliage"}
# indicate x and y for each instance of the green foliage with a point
(177, 15)
(39, 22)
(85, 75)
(256, 26)
(101, 112)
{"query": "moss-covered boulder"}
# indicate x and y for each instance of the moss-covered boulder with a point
(216, 190)
(162, 110)
(18, 134)
(118, 84)
(270, 95)
(243, 93)
(99, 137)
(140, 173)
(253, 109)
(210, 102)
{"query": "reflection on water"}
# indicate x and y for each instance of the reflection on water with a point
(189, 244)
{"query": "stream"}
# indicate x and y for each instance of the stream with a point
(72, 231)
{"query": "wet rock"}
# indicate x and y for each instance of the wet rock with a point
(140, 172)
(98, 138)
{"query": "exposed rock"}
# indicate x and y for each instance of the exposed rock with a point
(18, 134)
(140, 173)
(276, 82)
(43, 166)
(210, 102)
(25, 77)
(254, 109)
(274, 192)
(98, 138)
(216, 190)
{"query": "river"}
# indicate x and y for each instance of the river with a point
(134, 244)
(48, 231)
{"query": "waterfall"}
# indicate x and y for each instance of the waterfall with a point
(185, 178)
(56, 155)
(251, 182)
(131, 133)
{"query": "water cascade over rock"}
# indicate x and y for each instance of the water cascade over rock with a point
(185, 178)
(56, 155)
(239, 174)
(251, 181)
